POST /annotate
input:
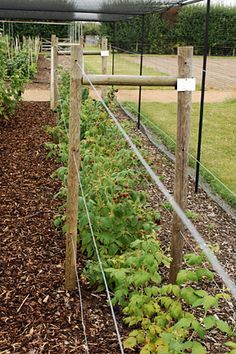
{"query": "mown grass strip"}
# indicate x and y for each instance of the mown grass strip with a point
(219, 139)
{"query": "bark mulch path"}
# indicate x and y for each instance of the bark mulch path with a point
(42, 77)
(37, 315)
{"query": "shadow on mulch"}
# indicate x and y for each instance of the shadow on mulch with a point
(42, 77)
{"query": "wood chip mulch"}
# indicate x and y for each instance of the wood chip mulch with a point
(37, 315)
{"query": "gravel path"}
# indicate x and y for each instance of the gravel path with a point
(221, 72)
(164, 96)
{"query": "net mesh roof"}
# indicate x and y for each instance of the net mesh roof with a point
(84, 10)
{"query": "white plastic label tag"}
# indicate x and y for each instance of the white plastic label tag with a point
(188, 84)
(105, 53)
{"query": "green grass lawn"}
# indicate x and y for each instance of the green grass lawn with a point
(93, 65)
(219, 137)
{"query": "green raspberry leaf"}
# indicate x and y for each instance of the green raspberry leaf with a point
(209, 322)
(224, 327)
(231, 344)
(130, 342)
(197, 348)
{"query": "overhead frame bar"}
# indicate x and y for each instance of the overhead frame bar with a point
(62, 16)
(125, 7)
(36, 22)
(86, 10)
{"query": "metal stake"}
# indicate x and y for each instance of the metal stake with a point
(206, 44)
(141, 73)
(113, 49)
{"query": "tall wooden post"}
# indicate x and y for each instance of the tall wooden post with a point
(54, 65)
(73, 160)
(185, 56)
(104, 62)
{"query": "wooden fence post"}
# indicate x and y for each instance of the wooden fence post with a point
(104, 63)
(54, 65)
(185, 56)
(73, 163)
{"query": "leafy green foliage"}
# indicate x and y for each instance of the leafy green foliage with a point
(161, 315)
(164, 33)
(16, 68)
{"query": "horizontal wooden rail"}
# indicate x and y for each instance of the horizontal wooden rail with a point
(130, 80)
(84, 53)
(94, 52)
(65, 44)
(64, 52)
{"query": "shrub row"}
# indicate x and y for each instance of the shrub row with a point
(163, 318)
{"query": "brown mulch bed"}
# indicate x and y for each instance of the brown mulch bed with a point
(42, 77)
(37, 315)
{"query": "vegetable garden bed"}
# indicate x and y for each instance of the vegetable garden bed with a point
(166, 318)
(132, 228)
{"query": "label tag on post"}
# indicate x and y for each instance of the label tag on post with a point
(104, 53)
(188, 84)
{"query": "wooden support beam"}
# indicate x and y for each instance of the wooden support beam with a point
(65, 52)
(130, 80)
(54, 79)
(104, 63)
(185, 58)
(73, 160)
(85, 52)
(91, 52)
(65, 44)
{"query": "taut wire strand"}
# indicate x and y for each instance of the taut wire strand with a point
(81, 301)
(99, 261)
(196, 235)
(173, 141)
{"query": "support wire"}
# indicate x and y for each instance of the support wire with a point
(99, 260)
(86, 348)
(155, 126)
(196, 235)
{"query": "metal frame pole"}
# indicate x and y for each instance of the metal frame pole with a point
(141, 73)
(206, 45)
(113, 49)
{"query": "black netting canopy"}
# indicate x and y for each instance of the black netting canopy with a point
(84, 10)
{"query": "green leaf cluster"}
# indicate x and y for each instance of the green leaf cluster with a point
(162, 316)
(163, 33)
(16, 68)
